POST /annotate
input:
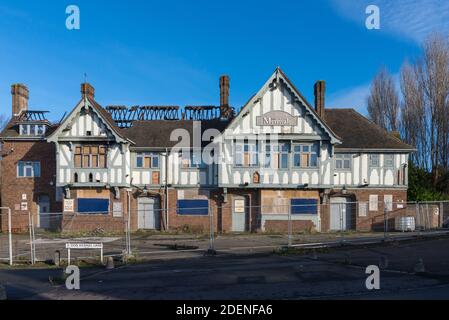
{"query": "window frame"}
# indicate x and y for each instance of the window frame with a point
(249, 147)
(342, 157)
(311, 152)
(190, 157)
(153, 156)
(102, 151)
(273, 150)
(392, 160)
(29, 165)
(371, 160)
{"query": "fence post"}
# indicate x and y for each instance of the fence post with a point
(385, 221)
(9, 235)
(289, 227)
(340, 210)
(211, 249)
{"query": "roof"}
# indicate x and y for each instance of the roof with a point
(156, 133)
(277, 75)
(357, 132)
(11, 129)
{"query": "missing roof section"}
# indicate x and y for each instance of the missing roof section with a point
(125, 116)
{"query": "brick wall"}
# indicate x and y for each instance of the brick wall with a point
(374, 220)
(12, 187)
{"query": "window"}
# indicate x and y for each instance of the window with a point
(389, 160)
(87, 156)
(277, 155)
(374, 160)
(304, 206)
(28, 169)
(305, 155)
(373, 202)
(93, 206)
(32, 129)
(193, 207)
(343, 161)
(191, 159)
(147, 160)
(246, 154)
(24, 129)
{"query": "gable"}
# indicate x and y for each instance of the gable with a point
(86, 122)
(278, 108)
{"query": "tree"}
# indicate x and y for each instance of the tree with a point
(425, 108)
(383, 102)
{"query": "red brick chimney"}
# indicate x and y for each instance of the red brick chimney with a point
(87, 90)
(20, 95)
(320, 91)
(225, 109)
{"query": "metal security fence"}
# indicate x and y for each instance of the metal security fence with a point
(195, 229)
(51, 232)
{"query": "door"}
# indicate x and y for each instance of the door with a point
(148, 213)
(340, 212)
(43, 210)
(239, 214)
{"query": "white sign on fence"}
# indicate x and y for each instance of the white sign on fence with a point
(69, 205)
(79, 245)
(84, 245)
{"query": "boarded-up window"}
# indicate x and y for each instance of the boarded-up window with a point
(155, 177)
(388, 202)
(256, 177)
(373, 202)
(90, 157)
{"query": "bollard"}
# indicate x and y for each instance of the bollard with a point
(383, 262)
(110, 263)
(348, 259)
(57, 259)
(419, 266)
(2, 292)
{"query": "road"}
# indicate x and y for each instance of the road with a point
(335, 274)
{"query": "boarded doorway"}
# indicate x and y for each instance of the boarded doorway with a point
(341, 213)
(149, 213)
(43, 210)
(240, 214)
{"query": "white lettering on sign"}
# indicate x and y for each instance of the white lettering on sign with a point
(69, 205)
(84, 245)
(277, 118)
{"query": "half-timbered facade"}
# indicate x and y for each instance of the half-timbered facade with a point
(278, 158)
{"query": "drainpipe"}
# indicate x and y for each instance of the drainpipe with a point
(166, 189)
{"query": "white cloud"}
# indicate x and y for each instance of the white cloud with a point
(410, 19)
(354, 98)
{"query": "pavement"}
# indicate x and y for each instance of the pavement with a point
(323, 273)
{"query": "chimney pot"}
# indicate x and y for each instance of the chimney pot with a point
(87, 90)
(20, 96)
(320, 92)
(225, 110)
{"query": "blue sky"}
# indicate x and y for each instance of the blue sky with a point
(172, 52)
